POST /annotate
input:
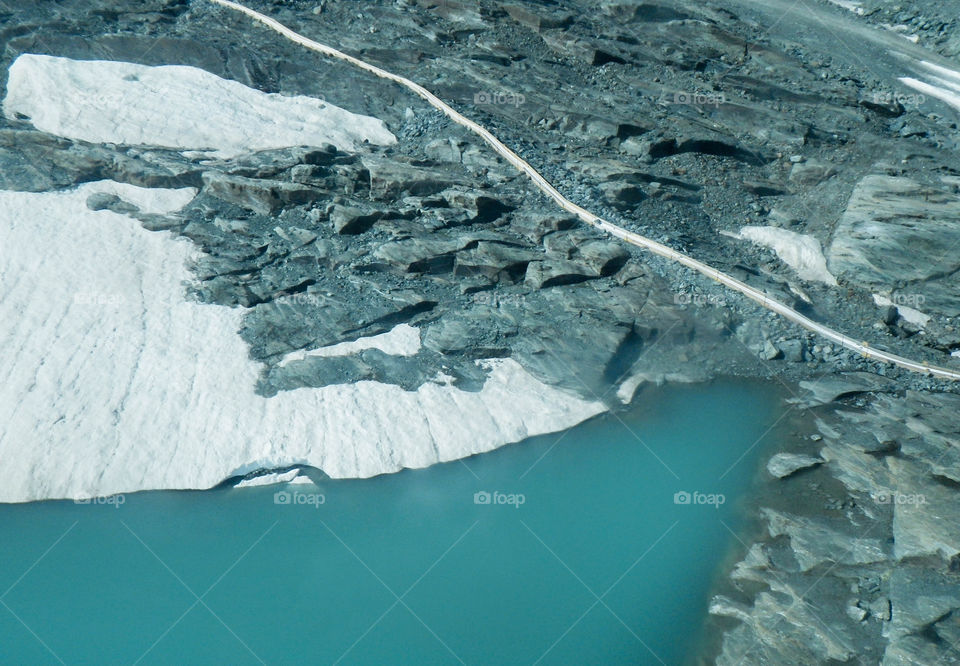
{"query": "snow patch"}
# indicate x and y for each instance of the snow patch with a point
(401, 340)
(947, 88)
(800, 252)
(953, 99)
(174, 106)
(909, 314)
(132, 387)
(903, 31)
(149, 201)
(850, 6)
(951, 75)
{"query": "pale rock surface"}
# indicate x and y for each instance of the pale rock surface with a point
(784, 464)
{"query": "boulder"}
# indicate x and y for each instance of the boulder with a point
(350, 220)
(784, 464)
(622, 195)
(262, 196)
(494, 260)
(544, 18)
(443, 150)
(391, 178)
(810, 173)
(829, 388)
(479, 207)
(604, 257)
(555, 272)
(421, 254)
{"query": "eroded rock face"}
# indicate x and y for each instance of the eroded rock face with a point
(889, 222)
(860, 565)
(785, 464)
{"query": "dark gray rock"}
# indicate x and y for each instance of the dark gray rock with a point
(389, 178)
(104, 201)
(496, 261)
(555, 272)
(260, 196)
(350, 220)
(622, 195)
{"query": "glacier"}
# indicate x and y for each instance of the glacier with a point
(116, 383)
(104, 101)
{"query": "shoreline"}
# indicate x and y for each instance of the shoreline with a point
(564, 478)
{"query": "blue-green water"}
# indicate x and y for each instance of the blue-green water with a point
(598, 565)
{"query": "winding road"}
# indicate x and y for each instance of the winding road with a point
(860, 347)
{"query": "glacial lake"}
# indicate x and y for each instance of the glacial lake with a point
(571, 548)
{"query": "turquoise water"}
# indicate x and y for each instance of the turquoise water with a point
(597, 565)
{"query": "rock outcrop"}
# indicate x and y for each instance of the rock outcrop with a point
(857, 562)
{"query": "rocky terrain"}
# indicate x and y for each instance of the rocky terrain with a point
(855, 558)
(933, 25)
(683, 121)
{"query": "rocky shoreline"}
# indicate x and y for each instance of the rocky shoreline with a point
(854, 555)
(686, 122)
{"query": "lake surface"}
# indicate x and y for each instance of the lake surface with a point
(570, 548)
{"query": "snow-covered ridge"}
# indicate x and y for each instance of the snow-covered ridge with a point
(179, 107)
(114, 383)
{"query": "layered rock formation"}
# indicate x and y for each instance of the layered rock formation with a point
(857, 561)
